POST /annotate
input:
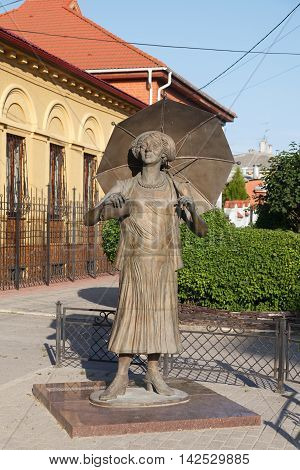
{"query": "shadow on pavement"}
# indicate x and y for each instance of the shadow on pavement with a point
(107, 296)
(288, 417)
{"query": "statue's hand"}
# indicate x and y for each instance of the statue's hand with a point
(117, 200)
(187, 202)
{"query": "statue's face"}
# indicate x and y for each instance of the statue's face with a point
(151, 151)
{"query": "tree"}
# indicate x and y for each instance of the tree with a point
(235, 189)
(281, 205)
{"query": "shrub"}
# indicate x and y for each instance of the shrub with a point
(110, 238)
(235, 269)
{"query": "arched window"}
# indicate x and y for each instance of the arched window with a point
(89, 180)
(16, 174)
(57, 181)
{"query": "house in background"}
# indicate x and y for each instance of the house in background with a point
(254, 161)
(252, 164)
(238, 212)
(243, 213)
(59, 27)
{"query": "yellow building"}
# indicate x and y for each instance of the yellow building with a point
(55, 121)
(48, 102)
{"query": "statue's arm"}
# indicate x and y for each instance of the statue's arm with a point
(112, 206)
(191, 217)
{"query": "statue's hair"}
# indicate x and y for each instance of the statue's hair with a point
(168, 144)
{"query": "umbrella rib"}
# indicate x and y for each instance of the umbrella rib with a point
(196, 189)
(185, 137)
(200, 192)
(199, 158)
(123, 129)
(205, 158)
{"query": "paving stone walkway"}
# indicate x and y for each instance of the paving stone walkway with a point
(86, 293)
(26, 424)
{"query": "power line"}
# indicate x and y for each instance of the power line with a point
(170, 46)
(265, 80)
(256, 54)
(10, 3)
(250, 50)
(260, 61)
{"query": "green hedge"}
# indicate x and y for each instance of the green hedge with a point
(110, 238)
(234, 269)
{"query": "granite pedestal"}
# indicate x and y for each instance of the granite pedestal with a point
(69, 404)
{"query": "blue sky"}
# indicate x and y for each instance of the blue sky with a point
(269, 102)
(235, 24)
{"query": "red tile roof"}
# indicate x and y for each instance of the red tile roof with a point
(255, 188)
(64, 17)
(40, 54)
(236, 203)
(51, 20)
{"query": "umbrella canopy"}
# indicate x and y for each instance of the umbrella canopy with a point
(204, 158)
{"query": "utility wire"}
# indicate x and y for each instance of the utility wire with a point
(260, 62)
(250, 50)
(264, 81)
(256, 54)
(10, 3)
(246, 52)
(208, 49)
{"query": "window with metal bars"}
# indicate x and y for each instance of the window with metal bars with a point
(57, 181)
(16, 174)
(89, 181)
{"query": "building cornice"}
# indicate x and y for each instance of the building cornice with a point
(40, 63)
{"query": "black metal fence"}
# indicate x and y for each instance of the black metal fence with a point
(82, 335)
(258, 350)
(293, 352)
(38, 248)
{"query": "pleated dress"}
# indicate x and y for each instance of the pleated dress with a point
(149, 256)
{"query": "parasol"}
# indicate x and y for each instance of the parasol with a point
(203, 160)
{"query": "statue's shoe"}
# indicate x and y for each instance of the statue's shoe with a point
(155, 382)
(116, 388)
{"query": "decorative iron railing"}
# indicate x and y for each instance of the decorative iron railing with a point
(257, 349)
(36, 248)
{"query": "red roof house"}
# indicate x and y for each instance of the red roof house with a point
(256, 191)
(59, 27)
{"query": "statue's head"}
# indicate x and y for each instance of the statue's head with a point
(154, 146)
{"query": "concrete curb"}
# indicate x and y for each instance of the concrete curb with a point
(24, 312)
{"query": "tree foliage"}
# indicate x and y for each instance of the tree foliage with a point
(281, 208)
(236, 189)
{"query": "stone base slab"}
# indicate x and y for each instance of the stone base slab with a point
(69, 404)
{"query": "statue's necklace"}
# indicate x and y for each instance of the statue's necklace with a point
(152, 186)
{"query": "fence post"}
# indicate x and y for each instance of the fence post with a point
(18, 238)
(281, 355)
(96, 245)
(95, 250)
(73, 235)
(48, 235)
(58, 333)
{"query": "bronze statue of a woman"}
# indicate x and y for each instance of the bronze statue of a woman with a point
(149, 207)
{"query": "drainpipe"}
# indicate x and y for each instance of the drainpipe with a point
(137, 69)
(164, 86)
(150, 86)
